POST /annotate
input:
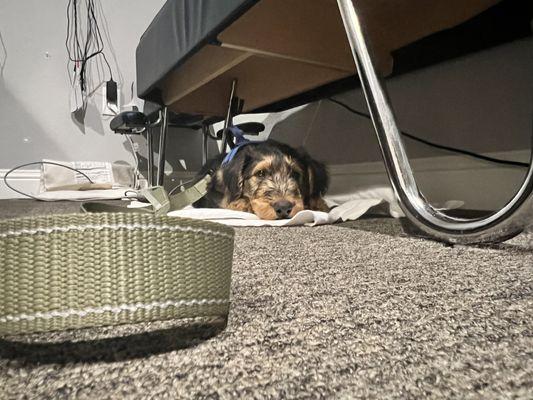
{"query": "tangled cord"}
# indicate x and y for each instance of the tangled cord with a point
(81, 48)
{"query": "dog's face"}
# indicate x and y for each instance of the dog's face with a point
(273, 180)
(273, 185)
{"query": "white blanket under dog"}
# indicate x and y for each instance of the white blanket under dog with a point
(347, 207)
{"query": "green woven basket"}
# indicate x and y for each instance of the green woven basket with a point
(82, 270)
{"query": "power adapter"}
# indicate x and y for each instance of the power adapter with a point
(111, 91)
(110, 104)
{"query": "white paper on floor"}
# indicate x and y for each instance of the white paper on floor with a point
(349, 207)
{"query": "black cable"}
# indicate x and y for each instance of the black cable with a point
(77, 42)
(436, 145)
(93, 23)
(108, 66)
(67, 44)
(93, 44)
(38, 163)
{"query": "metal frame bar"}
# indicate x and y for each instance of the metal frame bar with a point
(205, 143)
(162, 148)
(500, 225)
(150, 141)
(229, 115)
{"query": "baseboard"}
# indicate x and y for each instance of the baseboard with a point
(25, 180)
(481, 185)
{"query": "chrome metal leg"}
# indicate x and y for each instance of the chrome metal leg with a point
(501, 225)
(162, 148)
(205, 143)
(229, 116)
(150, 141)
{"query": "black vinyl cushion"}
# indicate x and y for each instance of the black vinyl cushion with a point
(178, 30)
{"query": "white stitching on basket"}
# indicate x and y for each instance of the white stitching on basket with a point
(116, 227)
(113, 309)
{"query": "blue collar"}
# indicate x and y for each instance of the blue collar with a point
(240, 142)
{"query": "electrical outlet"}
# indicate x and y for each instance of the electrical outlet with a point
(109, 108)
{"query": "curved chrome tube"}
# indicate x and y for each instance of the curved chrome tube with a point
(495, 227)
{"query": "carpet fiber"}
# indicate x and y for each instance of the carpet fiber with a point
(356, 310)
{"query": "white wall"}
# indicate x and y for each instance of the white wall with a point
(35, 121)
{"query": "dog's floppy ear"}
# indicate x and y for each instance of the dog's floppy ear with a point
(318, 178)
(317, 181)
(317, 175)
(233, 176)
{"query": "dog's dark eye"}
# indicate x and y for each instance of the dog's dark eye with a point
(261, 173)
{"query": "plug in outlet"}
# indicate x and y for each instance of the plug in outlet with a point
(110, 99)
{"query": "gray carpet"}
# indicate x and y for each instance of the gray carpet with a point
(356, 310)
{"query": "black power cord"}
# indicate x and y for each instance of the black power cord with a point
(436, 145)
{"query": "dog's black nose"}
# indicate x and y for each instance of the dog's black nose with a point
(283, 208)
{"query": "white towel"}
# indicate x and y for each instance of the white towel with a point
(347, 207)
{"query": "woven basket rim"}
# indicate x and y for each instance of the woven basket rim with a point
(51, 219)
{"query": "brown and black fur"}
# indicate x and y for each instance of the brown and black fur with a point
(270, 179)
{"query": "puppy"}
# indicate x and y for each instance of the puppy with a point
(269, 179)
